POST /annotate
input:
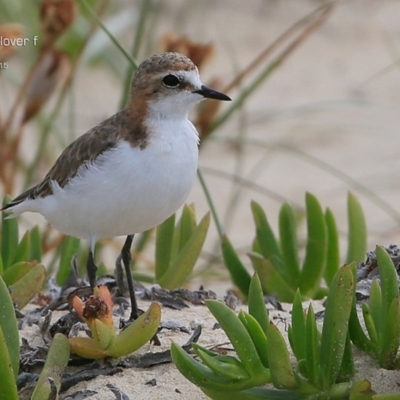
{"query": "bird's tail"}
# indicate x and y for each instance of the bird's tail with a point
(11, 208)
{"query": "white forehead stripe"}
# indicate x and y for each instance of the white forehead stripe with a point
(192, 77)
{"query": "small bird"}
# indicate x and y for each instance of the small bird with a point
(132, 171)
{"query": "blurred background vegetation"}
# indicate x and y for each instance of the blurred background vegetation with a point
(315, 104)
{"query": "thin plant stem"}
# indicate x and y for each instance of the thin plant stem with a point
(144, 13)
(109, 34)
(210, 203)
(64, 90)
(245, 93)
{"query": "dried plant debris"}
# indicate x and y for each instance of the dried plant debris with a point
(273, 300)
(88, 373)
(118, 393)
(368, 271)
(80, 395)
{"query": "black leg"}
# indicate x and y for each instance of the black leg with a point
(91, 269)
(126, 259)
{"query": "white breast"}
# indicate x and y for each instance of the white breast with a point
(127, 190)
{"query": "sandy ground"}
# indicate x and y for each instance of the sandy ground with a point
(172, 385)
(336, 100)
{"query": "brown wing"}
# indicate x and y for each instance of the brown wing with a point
(85, 150)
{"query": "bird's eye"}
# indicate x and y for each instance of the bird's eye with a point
(170, 81)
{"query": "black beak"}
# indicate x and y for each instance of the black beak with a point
(212, 94)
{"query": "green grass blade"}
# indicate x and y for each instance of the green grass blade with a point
(239, 274)
(289, 246)
(314, 262)
(357, 245)
(164, 237)
(332, 251)
(335, 328)
(8, 324)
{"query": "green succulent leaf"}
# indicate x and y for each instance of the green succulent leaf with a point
(9, 238)
(256, 303)
(335, 328)
(7, 374)
(356, 332)
(314, 262)
(239, 275)
(390, 317)
(258, 393)
(36, 245)
(183, 264)
(312, 348)
(17, 271)
(390, 338)
(203, 376)
(347, 369)
(361, 390)
(226, 367)
(24, 249)
(265, 236)
(297, 331)
(370, 325)
(137, 334)
(271, 280)
(239, 337)
(54, 367)
(357, 246)
(69, 248)
(164, 237)
(289, 246)
(332, 252)
(282, 373)
(87, 348)
(187, 225)
(388, 396)
(388, 278)
(375, 307)
(258, 336)
(23, 290)
(9, 328)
